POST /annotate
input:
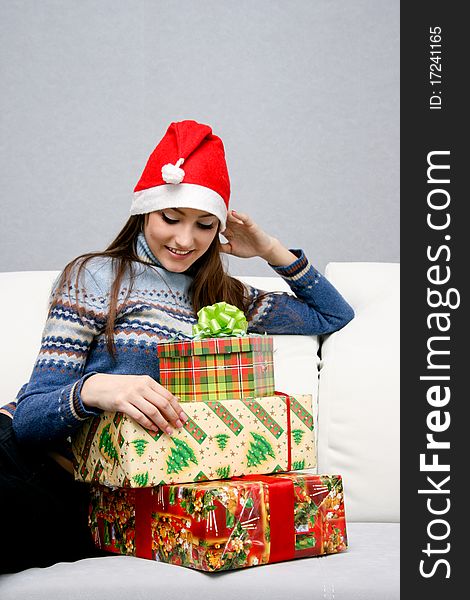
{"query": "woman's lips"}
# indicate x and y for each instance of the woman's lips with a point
(177, 253)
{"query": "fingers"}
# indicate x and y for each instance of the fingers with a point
(161, 414)
(160, 411)
(242, 218)
(152, 405)
(227, 248)
(174, 406)
(235, 217)
(137, 412)
(155, 413)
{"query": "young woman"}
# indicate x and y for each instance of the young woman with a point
(108, 312)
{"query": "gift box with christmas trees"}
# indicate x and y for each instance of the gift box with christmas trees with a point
(220, 439)
(221, 525)
(221, 362)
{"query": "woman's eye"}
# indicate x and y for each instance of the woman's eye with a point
(168, 220)
(204, 226)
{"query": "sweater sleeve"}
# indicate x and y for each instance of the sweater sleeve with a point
(49, 406)
(317, 308)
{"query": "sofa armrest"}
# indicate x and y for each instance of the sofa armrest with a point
(359, 393)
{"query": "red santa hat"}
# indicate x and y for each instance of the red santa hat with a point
(203, 184)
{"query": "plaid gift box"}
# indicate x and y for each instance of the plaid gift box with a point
(221, 439)
(224, 525)
(218, 368)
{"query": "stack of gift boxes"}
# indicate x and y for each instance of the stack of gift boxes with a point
(226, 490)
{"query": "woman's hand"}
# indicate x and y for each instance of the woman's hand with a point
(246, 239)
(139, 396)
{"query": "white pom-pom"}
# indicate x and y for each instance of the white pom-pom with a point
(173, 173)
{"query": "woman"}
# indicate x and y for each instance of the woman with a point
(109, 310)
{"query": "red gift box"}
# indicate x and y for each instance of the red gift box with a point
(222, 525)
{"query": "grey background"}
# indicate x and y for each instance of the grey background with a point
(305, 95)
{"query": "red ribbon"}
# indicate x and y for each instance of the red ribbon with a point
(143, 522)
(289, 430)
(281, 510)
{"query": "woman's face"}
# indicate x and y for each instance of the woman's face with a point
(179, 236)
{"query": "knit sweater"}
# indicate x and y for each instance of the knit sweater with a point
(49, 408)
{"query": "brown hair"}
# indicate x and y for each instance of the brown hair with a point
(210, 284)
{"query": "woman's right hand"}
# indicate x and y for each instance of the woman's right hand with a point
(139, 396)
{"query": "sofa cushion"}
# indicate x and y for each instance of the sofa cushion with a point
(368, 570)
(23, 305)
(359, 392)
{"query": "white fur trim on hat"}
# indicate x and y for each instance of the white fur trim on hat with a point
(183, 195)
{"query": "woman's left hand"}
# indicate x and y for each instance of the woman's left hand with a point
(245, 238)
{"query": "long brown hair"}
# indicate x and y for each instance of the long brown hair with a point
(211, 283)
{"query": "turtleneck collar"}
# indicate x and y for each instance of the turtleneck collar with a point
(144, 252)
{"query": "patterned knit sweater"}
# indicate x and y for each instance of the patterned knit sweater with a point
(49, 408)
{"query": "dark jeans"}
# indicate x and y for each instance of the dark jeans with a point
(43, 511)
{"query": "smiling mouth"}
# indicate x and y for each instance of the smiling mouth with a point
(178, 252)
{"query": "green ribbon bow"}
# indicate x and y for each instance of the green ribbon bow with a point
(220, 320)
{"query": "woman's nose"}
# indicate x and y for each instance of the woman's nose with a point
(184, 237)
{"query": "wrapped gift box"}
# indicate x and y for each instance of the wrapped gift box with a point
(220, 440)
(218, 368)
(215, 526)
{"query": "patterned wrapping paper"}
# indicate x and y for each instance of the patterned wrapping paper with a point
(220, 440)
(225, 524)
(218, 368)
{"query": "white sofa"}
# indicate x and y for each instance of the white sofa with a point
(353, 375)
